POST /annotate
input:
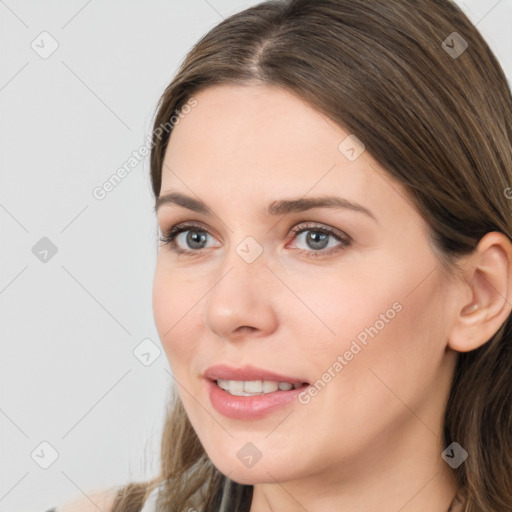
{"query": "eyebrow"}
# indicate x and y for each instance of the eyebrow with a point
(280, 207)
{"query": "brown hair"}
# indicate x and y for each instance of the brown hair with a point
(441, 125)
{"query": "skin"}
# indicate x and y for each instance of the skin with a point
(371, 438)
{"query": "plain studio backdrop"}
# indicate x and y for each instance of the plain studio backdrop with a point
(84, 379)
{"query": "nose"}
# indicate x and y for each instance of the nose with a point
(240, 302)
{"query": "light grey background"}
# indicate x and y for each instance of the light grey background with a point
(69, 326)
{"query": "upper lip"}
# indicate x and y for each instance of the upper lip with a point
(225, 372)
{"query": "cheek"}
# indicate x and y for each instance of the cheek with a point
(344, 305)
(392, 343)
(388, 316)
(383, 357)
(175, 305)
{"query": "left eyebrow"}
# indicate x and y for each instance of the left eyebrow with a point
(281, 207)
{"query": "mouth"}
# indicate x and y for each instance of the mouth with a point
(250, 381)
(251, 393)
(252, 399)
(257, 387)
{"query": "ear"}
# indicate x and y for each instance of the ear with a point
(488, 272)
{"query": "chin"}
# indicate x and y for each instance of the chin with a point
(252, 476)
(266, 470)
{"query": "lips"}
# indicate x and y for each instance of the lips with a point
(248, 373)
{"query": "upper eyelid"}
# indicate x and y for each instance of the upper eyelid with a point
(180, 227)
(198, 224)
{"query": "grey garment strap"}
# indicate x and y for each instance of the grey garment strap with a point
(235, 497)
(226, 494)
(150, 503)
(226, 500)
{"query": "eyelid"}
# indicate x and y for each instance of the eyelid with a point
(319, 226)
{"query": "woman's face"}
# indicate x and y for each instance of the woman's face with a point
(353, 303)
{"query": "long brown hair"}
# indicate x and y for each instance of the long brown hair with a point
(440, 124)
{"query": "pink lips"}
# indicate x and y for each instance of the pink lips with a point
(248, 407)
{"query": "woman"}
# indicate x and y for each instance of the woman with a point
(336, 219)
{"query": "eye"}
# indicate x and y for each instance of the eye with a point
(194, 237)
(191, 235)
(316, 237)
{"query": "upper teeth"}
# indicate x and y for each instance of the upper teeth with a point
(251, 387)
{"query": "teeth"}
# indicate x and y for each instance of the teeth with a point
(254, 387)
(236, 386)
(269, 386)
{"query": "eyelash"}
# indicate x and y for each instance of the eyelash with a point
(174, 231)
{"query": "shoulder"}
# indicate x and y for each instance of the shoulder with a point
(99, 500)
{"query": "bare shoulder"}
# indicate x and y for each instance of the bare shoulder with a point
(100, 500)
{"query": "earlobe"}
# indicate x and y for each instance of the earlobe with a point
(489, 276)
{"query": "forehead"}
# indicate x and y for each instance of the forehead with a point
(257, 141)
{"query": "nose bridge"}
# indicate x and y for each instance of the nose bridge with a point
(246, 259)
(238, 297)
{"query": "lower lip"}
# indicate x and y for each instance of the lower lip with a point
(249, 407)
